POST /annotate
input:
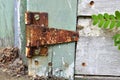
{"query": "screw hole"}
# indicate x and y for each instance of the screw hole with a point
(91, 3)
(36, 62)
(83, 64)
(50, 64)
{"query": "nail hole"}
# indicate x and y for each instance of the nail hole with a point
(83, 64)
(91, 3)
(50, 64)
(36, 62)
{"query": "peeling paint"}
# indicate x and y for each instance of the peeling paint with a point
(61, 18)
(100, 6)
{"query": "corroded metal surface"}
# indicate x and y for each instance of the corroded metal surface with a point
(41, 36)
(36, 18)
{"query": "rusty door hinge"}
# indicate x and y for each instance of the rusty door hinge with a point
(39, 36)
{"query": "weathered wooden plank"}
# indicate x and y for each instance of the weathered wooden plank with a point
(97, 56)
(96, 53)
(6, 23)
(62, 15)
(86, 28)
(96, 78)
(19, 27)
(99, 6)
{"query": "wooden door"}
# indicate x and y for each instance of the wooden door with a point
(61, 15)
(96, 54)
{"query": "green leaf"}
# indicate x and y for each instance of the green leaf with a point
(106, 24)
(112, 25)
(117, 14)
(116, 36)
(112, 17)
(118, 24)
(94, 16)
(95, 19)
(95, 22)
(101, 23)
(100, 16)
(119, 47)
(115, 43)
(106, 16)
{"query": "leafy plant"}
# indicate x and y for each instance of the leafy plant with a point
(108, 22)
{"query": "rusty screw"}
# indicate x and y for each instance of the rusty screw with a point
(37, 17)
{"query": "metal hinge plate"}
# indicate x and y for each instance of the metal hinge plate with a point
(39, 36)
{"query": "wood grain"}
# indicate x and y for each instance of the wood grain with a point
(99, 6)
(6, 23)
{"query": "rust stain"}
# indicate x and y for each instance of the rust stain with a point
(36, 18)
(39, 36)
(43, 36)
(44, 51)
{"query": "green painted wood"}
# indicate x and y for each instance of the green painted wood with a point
(62, 15)
(22, 35)
(6, 23)
(20, 42)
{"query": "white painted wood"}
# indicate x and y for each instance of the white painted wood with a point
(100, 6)
(96, 78)
(100, 56)
(96, 53)
(86, 28)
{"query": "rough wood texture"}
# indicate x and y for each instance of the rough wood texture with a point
(96, 53)
(19, 27)
(62, 15)
(99, 6)
(96, 78)
(6, 23)
(97, 56)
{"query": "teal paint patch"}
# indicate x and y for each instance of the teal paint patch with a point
(20, 40)
(22, 30)
(62, 15)
(62, 11)
(6, 23)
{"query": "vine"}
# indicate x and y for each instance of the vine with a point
(108, 21)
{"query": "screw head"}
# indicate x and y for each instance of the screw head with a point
(36, 16)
